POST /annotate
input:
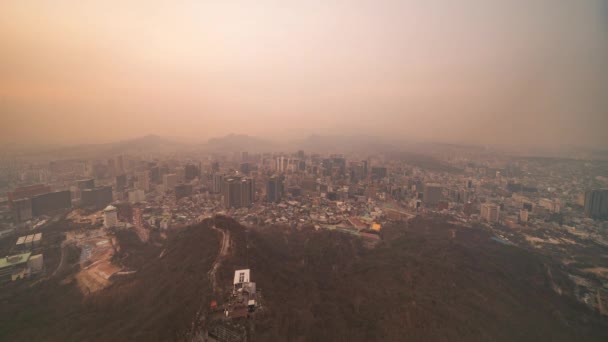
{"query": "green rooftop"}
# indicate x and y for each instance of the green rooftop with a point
(15, 259)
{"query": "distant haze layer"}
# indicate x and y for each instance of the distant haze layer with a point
(507, 72)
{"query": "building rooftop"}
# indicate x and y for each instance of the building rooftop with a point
(14, 260)
(241, 276)
(110, 208)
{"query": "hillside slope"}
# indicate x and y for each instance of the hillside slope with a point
(157, 303)
(422, 283)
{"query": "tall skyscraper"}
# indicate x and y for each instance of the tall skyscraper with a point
(191, 172)
(218, 180)
(596, 204)
(97, 197)
(247, 192)
(245, 168)
(50, 202)
(27, 192)
(274, 189)
(143, 180)
(169, 181)
(281, 163)
(155, 176)
(136, 196)
(490, 212)
(237, 192)
(121, 182)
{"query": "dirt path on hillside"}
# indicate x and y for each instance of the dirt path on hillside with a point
(224, 246)
(212, 274)
(64, 246)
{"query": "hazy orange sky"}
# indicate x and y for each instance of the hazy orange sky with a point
(522, 71)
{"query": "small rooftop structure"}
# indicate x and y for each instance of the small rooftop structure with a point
(14, 260)
(241, 276)
(21, 241)
(110, 208)
(29, 241)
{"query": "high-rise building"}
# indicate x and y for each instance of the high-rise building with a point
(274, 189)
(238, 192)
(245, 168)
(155, 176)
(97, 197)
(247, 191)
(218, 180)
(490, 212)
(138, 217)
(136, 196)
(124, 211)
(169, 181)
(110, 217)
(231, 193)
(143, 181)
(50, 202)
(84, 184)
(27, 192)
(121, 182)
(191, 172)
(432, 193)
(281, 163)
(215, 167)
(596, 204)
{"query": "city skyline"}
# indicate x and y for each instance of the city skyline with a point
(303, 170)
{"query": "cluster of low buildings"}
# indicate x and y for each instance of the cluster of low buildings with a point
(24, 259)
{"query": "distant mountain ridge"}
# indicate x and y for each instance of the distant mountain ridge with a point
(148, 144)
(239, 143)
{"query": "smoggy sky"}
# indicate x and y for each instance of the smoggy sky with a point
(480, 71)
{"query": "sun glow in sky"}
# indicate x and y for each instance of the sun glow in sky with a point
(531, 72)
